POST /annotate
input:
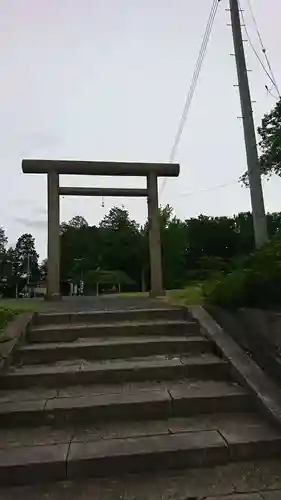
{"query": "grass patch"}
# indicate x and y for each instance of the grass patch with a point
(9, 308)
(22, 305)
(133, 294)
(6, 315)
(190, 295)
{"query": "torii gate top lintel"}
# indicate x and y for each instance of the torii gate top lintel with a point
(76, 167)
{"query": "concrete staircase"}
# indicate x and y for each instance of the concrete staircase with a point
(102, 393)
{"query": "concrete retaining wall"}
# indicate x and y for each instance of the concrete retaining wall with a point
(258, 332)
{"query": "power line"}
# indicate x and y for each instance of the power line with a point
(194, 81)
(195, 77)
(255, 22)
(213, 188)
(262, 45)
(271, 93)
(254, 49)
(269, 71)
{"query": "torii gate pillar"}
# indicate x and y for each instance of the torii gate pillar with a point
(155, 250)
(53, 255)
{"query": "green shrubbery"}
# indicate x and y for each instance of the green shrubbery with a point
(257, 284)
(5, 316)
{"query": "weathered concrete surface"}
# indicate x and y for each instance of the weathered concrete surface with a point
(71, 372)
(13, 333)
(259, 478)
(21, 465)
(96, 458)
(103, 449)
(243, 496)
(243, 367)
(96, 429)
(94, 316)
(94, 404)
(62, 333)
(101, 303)
(257, 332)
(111, 348)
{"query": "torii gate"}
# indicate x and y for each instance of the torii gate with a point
(53, 168)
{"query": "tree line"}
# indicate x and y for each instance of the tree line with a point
(115, 252)
(191, 249)
(19, 265)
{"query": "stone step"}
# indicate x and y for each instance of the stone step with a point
(71, 332)
(259, 481)
(204, 366)
(174, 451)
(110, 316)
(83, 453)
(70, 406)
(110, 348)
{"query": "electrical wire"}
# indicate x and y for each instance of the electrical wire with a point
(193, 85)
(255, 51)
(269, 91)
(196, 74)
(255, 21)
(262, 45)
(195, 77)
(269, 71)
(213, 188)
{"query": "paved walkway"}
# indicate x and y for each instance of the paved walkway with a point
(87, 303)
(106, 303)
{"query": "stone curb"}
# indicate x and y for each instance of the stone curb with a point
(258, 495)
(13, 332)
(244, 369)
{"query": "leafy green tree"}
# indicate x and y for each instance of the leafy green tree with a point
(166, 215)
(118, 220)
(3, 241)
(115, 244)
(270, 143)
(43, 269)
(170, 263)
(81, 250)
(216, 236)
(245, 234)
(76, 222)
(174, 247)
(10, 279)
(191, 249)
(274, 223)
(6, 270)
(26, 258)
(213, 264)
(257, 284)
(244, 228)
(121, 247)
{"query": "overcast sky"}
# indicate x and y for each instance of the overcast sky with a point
(107, 80)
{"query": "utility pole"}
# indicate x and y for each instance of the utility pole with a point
(258, 210)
